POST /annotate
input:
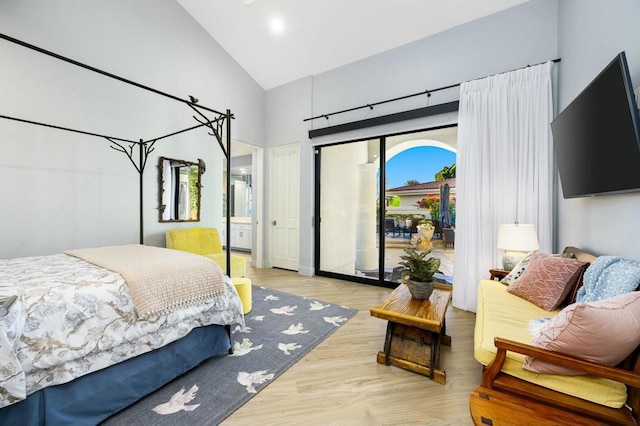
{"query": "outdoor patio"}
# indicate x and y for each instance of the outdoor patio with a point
(394, 248)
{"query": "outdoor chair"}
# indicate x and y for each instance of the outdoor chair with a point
(437, 229)
(413, 229)
(390, 227)
(449, 236)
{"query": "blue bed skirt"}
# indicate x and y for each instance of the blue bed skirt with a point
(90, 399)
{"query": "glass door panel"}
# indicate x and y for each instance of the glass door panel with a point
(349, 176)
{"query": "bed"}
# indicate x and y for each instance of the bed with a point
(83, 341)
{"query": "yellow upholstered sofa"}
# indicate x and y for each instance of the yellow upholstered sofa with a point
(206, 242)
(606, 395)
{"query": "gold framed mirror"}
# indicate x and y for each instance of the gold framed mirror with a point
(179, 190)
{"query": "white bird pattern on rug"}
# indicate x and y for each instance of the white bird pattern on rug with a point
(178, 402)
(295, 329)
(334, 320)
(288, 347)
(280, 330)
(255, 378)
(316, 306)
(241, 329)
(285, 310)
(240, 349)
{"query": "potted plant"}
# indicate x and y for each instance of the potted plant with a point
(419, 272)
(425, 229)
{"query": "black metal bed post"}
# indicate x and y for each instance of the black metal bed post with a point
(228, 224)
(226, 150)
(141, 147)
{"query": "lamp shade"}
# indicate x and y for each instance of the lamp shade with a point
(518, 237)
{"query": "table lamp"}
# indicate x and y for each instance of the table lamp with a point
(516, 239)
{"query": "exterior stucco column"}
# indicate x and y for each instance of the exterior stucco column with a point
(366, 250)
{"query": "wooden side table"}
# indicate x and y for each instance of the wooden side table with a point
(498, 273)
(415, 330)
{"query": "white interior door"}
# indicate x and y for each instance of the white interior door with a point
(284, 206)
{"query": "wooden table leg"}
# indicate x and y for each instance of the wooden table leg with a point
(444, 339)
(387, 341)
(435, 354)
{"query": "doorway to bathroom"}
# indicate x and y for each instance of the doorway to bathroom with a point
(244, 199)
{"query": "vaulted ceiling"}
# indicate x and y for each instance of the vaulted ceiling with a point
(279, 41)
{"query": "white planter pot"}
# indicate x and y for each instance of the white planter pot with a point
(425, 232)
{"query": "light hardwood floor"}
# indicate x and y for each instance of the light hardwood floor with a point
(339, 381)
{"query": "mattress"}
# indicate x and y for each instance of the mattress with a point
(73, 318)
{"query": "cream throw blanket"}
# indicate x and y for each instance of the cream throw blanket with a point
(160, 280)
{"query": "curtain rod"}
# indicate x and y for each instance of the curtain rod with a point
(105, 73)
(427, 92)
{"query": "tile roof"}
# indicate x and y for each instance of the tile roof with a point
(425, 186)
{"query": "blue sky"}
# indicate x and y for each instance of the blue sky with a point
(420, 163)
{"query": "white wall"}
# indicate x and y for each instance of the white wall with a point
(591, 33)
(526, 34)
(63, 190)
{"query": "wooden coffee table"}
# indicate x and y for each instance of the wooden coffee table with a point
(415, 330)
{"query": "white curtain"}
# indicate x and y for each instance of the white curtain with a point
(504, 170)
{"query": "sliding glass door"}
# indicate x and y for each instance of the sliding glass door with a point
(370, 198)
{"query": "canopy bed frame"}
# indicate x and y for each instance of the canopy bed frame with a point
(91, 398)
(219, 124)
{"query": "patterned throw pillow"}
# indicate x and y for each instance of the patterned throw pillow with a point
(585, 330)
(517, 270)
(547, 280)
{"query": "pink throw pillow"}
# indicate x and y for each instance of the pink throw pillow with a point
(547, 280)
(605, 331)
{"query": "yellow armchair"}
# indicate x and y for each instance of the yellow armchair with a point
(206, 242)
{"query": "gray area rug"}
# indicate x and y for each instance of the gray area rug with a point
(280, 330)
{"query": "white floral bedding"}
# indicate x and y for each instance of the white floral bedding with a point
(72, 318)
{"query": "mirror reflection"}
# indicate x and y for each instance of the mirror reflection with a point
(241, 197)
(179, 190)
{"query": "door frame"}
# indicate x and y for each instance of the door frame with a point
(257, 252)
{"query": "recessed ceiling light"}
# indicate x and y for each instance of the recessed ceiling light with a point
(276, 25)
(248, 1)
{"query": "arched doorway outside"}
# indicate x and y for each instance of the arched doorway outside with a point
(414, 196)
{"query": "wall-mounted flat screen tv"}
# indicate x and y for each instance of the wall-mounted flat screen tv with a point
(596, 138)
